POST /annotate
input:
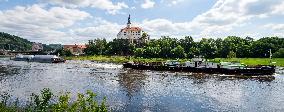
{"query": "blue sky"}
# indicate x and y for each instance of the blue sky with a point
(76, 21)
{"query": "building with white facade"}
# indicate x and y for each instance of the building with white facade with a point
(133, 34)
(37, 47)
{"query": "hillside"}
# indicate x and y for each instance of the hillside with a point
(12, 42)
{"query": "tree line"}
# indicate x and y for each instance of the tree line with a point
(167, 47)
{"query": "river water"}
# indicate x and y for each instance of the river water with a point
(134, 91)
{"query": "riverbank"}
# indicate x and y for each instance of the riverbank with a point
(122, 59)
(254, 61)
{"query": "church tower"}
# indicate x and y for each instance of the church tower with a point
(129, 22)
(131, 33)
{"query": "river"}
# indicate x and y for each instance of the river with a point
(135, 91)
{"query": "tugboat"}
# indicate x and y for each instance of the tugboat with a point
(39, 58)
(199, 65)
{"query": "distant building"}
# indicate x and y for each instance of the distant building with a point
(133, 34)
(75, 49)
(37, 47)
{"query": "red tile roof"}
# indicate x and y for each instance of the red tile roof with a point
(131, 29)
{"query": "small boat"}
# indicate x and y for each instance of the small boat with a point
(39, 58)
(199, 65)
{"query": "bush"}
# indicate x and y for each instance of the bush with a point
(47, 102)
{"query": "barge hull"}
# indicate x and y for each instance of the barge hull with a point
(246, 71)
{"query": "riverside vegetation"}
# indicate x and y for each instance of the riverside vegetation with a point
(167, 47)
(122, 59)
(47, 102)
(232, 48)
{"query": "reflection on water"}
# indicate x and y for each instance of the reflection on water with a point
(132, 81)
(134, 90)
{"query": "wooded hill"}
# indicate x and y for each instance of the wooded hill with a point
(12, 42)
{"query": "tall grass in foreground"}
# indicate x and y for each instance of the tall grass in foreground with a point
(47, 102)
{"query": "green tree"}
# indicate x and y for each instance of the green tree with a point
(144, 37)
(166, 44)
(208, 48)
(279, 53)
(62, 52)
(96, 47)
(152, 52)
(231, 54)
(178, 52)
(187, 43)
(139, 52)
(120, 47)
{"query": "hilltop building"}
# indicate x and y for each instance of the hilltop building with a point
(37, 47)
(75, 49)
(133, 34)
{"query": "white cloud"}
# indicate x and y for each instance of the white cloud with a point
(275, 27)
(148, 4)
(156, 28)
(226, 15)
(172, 2)
(108, 5)
(278, 9)
(51, 25)
(105, 29)
(133, 7)
(223, 19)
(100, 29)
(163, 27)
(39, 24)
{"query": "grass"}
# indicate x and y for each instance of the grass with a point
(253, 61)
(122, 59)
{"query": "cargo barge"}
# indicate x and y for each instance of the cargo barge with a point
(199, 65)
(39, 58)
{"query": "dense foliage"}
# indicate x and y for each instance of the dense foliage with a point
(166, 47)
(12, 42)
(47, 102)
(279, 53)
(62, 52)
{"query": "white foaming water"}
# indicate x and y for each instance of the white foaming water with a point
(89, 64)
(103, 65)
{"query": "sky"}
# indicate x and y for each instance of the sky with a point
(77, 21)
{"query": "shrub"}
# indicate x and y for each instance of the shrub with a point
(47, 102)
